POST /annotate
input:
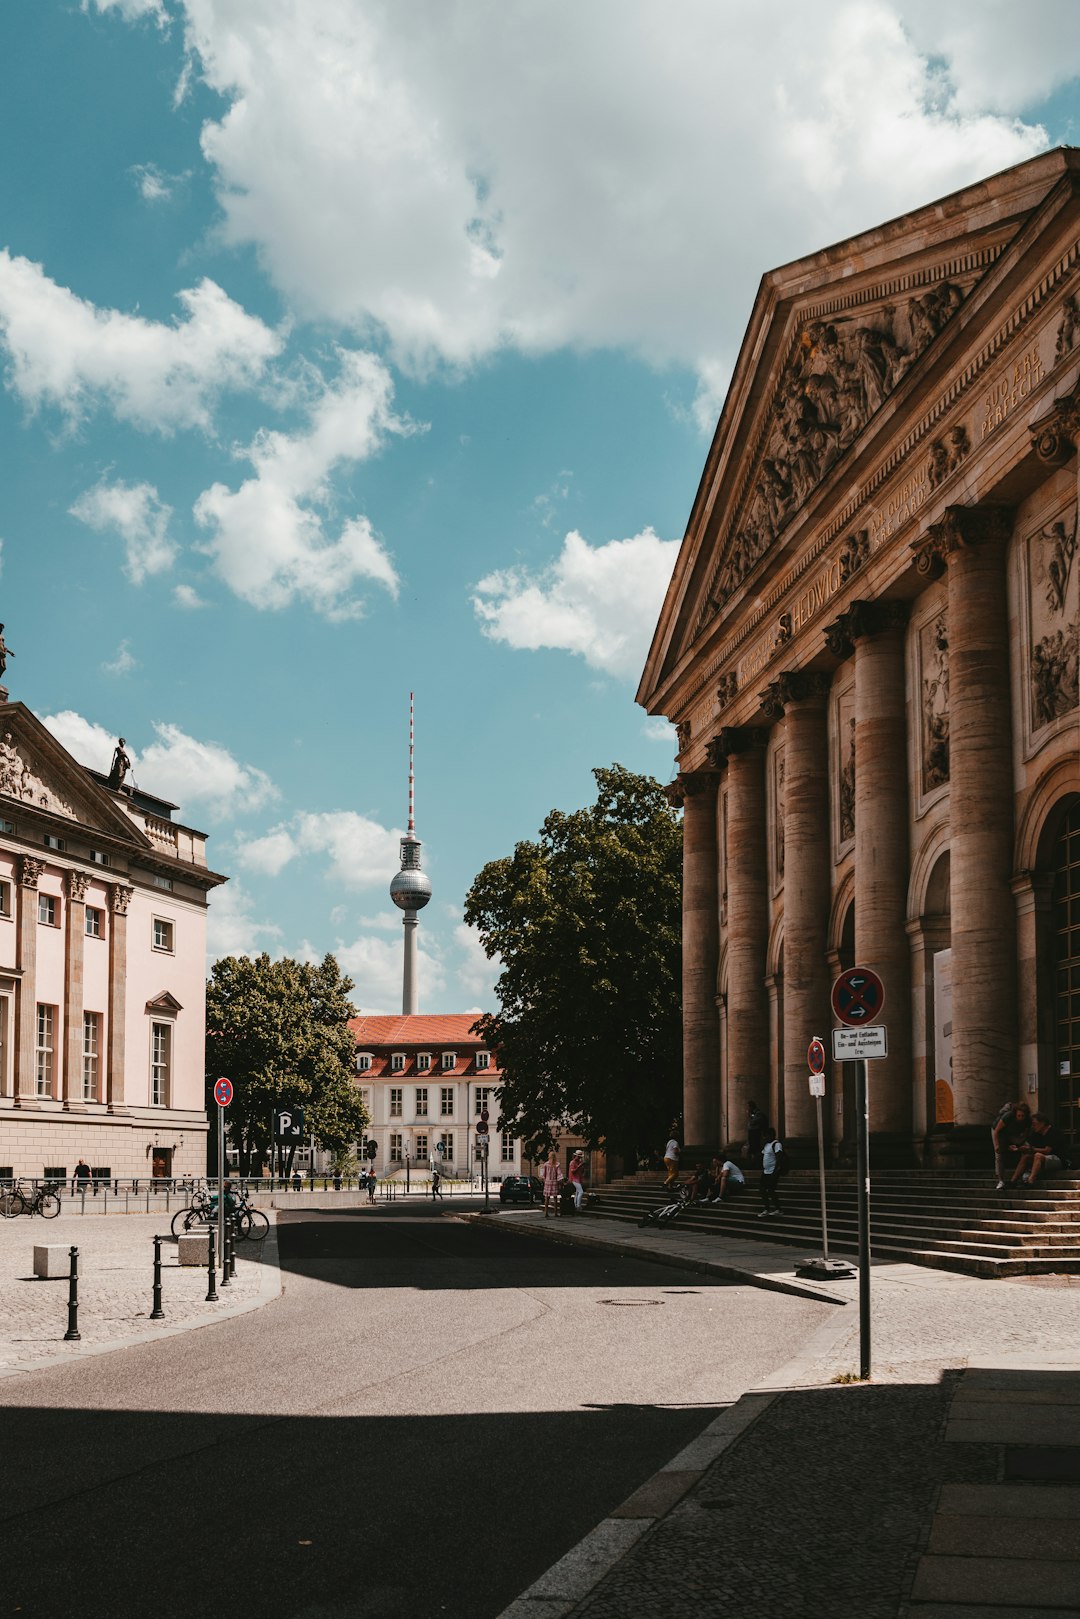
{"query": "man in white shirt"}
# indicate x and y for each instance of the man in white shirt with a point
(671, 1155)
(732, 1181)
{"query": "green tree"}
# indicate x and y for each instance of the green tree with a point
(587, 923)
(280, 1031)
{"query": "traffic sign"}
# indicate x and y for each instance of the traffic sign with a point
(482, 1126)
(815, 1058)
(223, 1092)
(860, 1045)
(858, 996)
(289, 1124)
(817, 1084)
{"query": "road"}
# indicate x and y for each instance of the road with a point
(430, 1415)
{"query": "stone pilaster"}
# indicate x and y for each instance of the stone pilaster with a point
(74, 940)
(116, 1045)
(881, 852)
(30, 870)
(747, 923)
(972, 542)
(1033, 897)
(802, 698)
(701, 918)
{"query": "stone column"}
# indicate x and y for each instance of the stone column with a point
(1033, 896)
(802, 698)
(119, 899)
(74, 938)
(972, 542)
(747, 922)
(30, 870)
(700, 927)
(882, 865)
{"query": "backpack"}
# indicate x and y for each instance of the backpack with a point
(780, 1162)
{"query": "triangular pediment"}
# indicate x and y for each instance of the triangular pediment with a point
(837, 347)
(37, 773)
(164, 1004)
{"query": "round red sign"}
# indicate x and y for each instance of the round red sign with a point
(223, 1092)
(815, 1056)
(858, 996)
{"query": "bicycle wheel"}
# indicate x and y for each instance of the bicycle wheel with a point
(256, 1224)
(49, 1206)
(12, 1204)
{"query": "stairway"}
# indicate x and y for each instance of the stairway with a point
(926, 1217)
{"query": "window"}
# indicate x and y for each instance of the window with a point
(423, 1063)
(420, 1155)
(446, 1147)
(446, 1107)
(421, 1101)
(5, 899)
(91, 1046)
(397, 1063)
(395, 1101)
(483, 1060)
(395, 1149)
(160, 1063)
(163, 882)
(483, 1098)
(46, 1026)
(163, 934)
(363, 1062)
(449, 1061)
(507, 1147)
(55, 843)
(46, 910)
(8, 827)
(99, 857)
(93, 922)
(365, 1098)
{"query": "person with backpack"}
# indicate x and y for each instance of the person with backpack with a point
(671, 1155)
(773, 1165)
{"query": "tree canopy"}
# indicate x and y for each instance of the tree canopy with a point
(280, 1031)
(587, 923)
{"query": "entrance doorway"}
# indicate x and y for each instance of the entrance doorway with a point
(1066, 925)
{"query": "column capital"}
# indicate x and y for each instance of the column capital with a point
(76, 886)
(838, 637)
(960, 529)
(30, 869)
(795, 686)
(120, 898)
(1054, 436)
(695, 782)
(868, 618)
(735, 739)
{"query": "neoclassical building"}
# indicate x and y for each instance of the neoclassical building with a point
(869, 648)
(102, 968)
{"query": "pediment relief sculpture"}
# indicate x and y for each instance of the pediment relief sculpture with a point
(840, 374)
(20, 779)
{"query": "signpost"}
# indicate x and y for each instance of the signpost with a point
(823, 1267)
(482, 1140)
(858, 997)
(223, 1095)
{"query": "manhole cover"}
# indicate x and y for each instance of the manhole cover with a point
(630, 1304)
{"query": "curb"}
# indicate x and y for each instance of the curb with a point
(641, 1250)
(270, 1287)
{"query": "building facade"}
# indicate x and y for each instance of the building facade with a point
(425, 1079)
(869, 649)
(102, 969)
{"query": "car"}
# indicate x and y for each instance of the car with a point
(521, 1189)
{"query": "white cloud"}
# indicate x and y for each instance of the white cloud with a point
(65, 352)
(154, 184)
(176, 766)
(659, 731)
(188, 597)
(599, 601)
(231, 929)
(124, 661)
(268, 855)
(140, 518)
(474, 972)
(268, 543)
(132, 9)
(360, 853)
(507, 174)
(376, 965)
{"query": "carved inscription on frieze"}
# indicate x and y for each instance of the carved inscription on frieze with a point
(1009, 390)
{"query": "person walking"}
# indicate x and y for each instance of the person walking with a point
(551, 1176)
(671, 1154)
(771, 1152)
(576, 1176)
(81, 1178)
(436, 1182)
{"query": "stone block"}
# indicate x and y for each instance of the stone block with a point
(193, 1247)
(52, 1259)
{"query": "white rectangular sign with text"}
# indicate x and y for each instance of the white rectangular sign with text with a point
(859, 1045)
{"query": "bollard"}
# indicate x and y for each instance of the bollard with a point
(232, 1254)
(157, 1313)
(226, 1249)
(72, 1335)
(211, 1268)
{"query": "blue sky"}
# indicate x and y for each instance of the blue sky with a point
(350, 348)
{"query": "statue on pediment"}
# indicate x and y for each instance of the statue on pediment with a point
(121, 764)
(5, 653)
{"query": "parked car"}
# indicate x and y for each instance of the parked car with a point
(521, 1189)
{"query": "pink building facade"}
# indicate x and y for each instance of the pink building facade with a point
(102, 969)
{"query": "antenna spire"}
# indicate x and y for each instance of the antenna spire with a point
(412, 818)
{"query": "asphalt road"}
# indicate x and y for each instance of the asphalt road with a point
(429, 1416)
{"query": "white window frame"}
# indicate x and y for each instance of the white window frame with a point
(420, 1147)
(161, 1069)
(423, 1062)
(446, 1101)
(163, 882)
(168, 931)
(53, 842)
(46, 912)
(99, 857)
(5, 898)
(446, 1141)
(449, 1061)
(92, 927)
(507, 1147)
(365, 1098)
(395, 1150)
(421, 1102)
(483, 1061)
(484, 1093)
(397, 1062)
(91, 1056)
(397, 1101)
(363, 1062)
(45, 1048)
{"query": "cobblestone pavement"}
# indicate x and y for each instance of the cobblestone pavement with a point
(115, 1287)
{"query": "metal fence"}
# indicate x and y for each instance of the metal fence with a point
(159, 1193)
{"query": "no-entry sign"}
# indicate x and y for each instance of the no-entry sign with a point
(858, 996)
(815, 1056)
(222, 1092)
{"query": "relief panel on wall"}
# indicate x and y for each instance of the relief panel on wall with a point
(1054, 621)
(776, 817)
(934, 701)
(844, 774)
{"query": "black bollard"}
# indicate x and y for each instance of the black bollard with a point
(72, 1335)
(226, 1250)
(211, 1267)
(232, 1253)
(157, 1313)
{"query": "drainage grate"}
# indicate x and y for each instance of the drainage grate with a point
(630, 1304)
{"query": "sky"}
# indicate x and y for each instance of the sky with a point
(353, 348)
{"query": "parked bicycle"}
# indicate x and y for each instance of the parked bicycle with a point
(246, 1221)
(41, 1200)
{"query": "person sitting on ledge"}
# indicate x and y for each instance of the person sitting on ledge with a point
(1041, 1153)
(731, 1181)
(1008, 1133)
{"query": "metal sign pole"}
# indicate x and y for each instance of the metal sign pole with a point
(821, 1182)
(221, 1179)
(862, 1172)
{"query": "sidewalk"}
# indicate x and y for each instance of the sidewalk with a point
(115, 1288)
(948, 1487)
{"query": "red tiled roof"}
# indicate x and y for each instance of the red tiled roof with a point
(421, 1029)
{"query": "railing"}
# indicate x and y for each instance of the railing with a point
(147, 1194)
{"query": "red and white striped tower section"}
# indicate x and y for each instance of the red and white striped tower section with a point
(411, 889)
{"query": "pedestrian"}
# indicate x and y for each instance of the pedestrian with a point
(1008, 1133)
(372, 1182)
(1042, 1152)
(297, 1183)
(436, 1182)
(551, 1176)
(756, 1122)
(730, 1182)
(771, 1152)
(671, 1154)
(575, 1175)
(81, 1178)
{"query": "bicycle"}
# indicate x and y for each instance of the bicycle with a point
(249, 1223)
(683, 1196)
(42, 1200)
(199, 1212)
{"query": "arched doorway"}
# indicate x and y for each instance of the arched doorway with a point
(1064, 864)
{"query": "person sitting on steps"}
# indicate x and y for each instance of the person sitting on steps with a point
(1008, 1133)
(1040, 1154)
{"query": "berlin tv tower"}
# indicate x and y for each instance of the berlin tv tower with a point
(410, 890)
